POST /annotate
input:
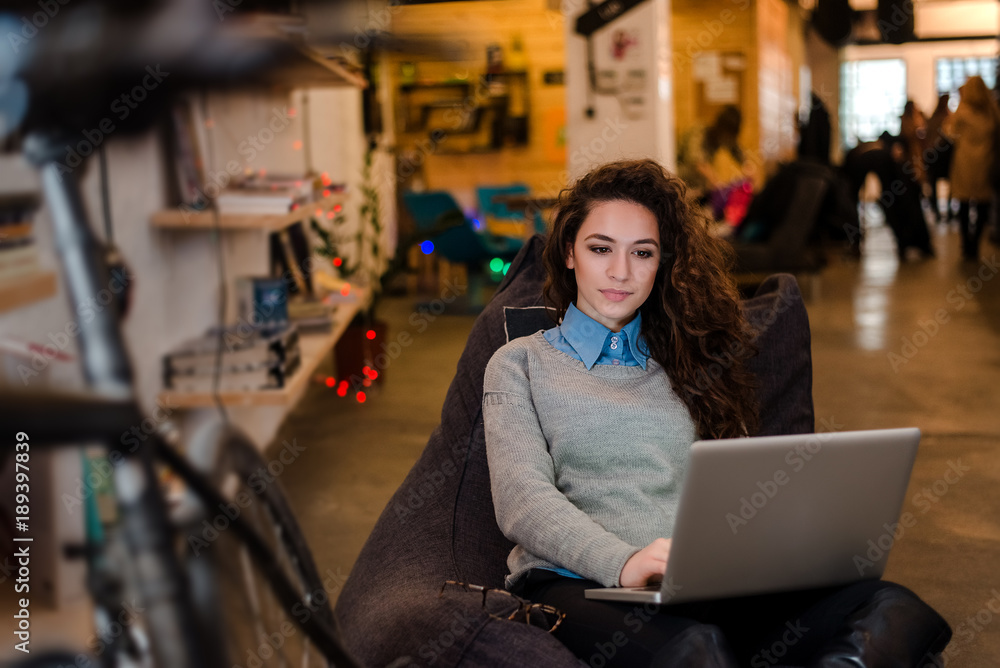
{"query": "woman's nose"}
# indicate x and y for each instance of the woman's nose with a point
(619, 268)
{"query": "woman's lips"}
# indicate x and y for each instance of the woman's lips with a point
(615, 295)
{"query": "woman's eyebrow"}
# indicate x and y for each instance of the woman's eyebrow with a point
(604, 237)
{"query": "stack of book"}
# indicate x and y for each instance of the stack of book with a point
(18, 253)
(310, 315)
(268, 194)
(250, 359)
(260, 202)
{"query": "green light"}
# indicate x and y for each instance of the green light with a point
(496, 264)
(505, 268)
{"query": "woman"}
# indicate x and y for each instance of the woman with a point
(588, 427)
(712, 163)
(937, 155)
(912, 132)
(973, 127)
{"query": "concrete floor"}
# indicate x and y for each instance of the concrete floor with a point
(912, 344)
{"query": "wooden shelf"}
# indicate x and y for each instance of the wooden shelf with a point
(24, 290)
(488, 116)
(294, 63)
(177, 219)
(310, 68)
(317, 69)
(313, 348)
(482, 79)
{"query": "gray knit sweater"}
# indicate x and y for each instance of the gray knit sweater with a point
(586, 466)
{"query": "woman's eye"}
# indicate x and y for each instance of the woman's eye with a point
(600, 249)
(644, 253)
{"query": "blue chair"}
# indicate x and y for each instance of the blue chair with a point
(432, 210)
(438, 215)
(463, 245)
(439, 219)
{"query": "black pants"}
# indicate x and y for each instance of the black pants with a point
(786, 629)
(972, 231)
(933, 179)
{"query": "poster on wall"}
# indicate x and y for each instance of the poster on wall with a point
(718, 81)
(621, 68)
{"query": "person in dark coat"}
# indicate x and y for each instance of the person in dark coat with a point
(900, 199)
(814, 136)
(938, 149)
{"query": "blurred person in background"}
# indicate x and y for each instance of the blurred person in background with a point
(814, 134)
(912, 131)
(713, 164)
(973, 128)
(938, 150)
(900, 197)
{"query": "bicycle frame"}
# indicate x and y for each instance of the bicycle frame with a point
(108, 373)
(181, 634)
(181, 639)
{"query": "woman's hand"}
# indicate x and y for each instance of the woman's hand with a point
(647, 565)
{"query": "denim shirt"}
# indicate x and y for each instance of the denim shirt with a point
(584, 339)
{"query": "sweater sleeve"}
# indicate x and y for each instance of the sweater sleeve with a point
(530, 509)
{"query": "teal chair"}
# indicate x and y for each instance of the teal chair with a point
(433, 211)
(439, 220)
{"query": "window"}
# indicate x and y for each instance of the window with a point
(872, 97)
(952, 73)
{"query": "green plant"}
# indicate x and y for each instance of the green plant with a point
(372, 263)
(365, 260)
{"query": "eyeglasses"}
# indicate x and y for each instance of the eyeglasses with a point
(501, 604)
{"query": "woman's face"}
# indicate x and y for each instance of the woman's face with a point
(615, 257)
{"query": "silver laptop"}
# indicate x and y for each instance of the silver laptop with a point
(778, 513)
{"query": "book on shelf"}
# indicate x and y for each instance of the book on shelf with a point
(311, 315)
(299, 184)
(15, 234)
(258, 202)
(18, 261)
(290, 258)
(246, 378)
(250, 359)
(16, 213)
(183, 151)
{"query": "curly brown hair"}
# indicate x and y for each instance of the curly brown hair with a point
(692, 321)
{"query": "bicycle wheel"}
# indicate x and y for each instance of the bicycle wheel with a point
(235, 589)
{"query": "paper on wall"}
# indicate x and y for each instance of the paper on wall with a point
(707, 65)
(722, 90)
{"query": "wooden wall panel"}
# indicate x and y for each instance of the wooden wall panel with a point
(770, 35)
(765, 32)
(470, 27)
(722, 26)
